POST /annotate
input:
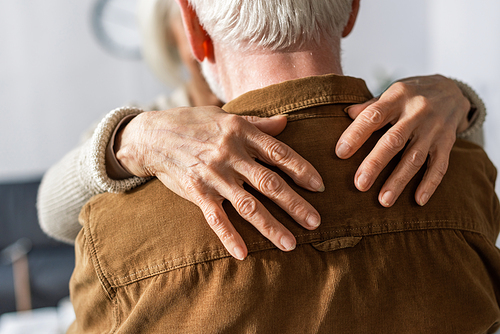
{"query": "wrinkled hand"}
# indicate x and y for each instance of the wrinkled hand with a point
(426, 113)
(205, 155)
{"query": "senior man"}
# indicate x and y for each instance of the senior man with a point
(147, 262)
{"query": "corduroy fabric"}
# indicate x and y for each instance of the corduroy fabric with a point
(147, 262)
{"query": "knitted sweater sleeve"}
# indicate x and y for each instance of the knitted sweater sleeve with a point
(81, 174)
(474, 132)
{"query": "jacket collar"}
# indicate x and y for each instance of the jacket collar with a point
(294, 95)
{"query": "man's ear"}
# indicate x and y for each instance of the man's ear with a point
(199, 40)
(352, 18)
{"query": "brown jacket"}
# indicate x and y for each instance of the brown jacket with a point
(147, 262)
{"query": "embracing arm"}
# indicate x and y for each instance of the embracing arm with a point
(173, 145)
(81, 174)
(476, 117)
(205, 155)
(427, 113)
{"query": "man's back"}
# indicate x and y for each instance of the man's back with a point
(148, 262)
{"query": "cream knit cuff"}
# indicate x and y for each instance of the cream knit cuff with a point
(111, 160)
(92, 162)
(476, 126)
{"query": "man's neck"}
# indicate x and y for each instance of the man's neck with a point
(245, 71)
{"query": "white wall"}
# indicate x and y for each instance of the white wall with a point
(383, 46)
(465, 44)
(55, 81)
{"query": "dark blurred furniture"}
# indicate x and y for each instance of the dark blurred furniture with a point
(50, 262)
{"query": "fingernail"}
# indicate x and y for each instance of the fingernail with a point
(317, 184)
(343, 150)
(387, 198)
(346, 110)
(313, 220)
(288, 242)
(424, 199)
(363, 181)
(239, 253)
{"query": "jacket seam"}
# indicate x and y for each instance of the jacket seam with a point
(310, 103)
(222, 253)
(116, 316)
(95, 260)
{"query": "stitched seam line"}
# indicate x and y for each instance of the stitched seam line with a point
(116, 316)
(298, 117)
(193, 261)
(313, 102)
(222, 253)
(97, 265)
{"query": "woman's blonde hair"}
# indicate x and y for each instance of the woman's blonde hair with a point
(158, 45)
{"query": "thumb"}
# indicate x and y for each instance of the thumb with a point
(272, 126)
(356, 109)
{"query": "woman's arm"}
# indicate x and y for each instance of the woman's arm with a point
(164, 138)
(81, 174)
(475, 117)
(205, 155)
(427, 113)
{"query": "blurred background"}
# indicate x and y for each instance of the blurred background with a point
(64, 64)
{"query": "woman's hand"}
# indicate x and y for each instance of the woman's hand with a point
(426, 113)
(205, 155)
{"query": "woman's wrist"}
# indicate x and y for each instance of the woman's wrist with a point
(113, 167)
(476, 114)
(93, 158)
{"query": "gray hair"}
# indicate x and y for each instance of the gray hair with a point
(272, 24)
(158, 44)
